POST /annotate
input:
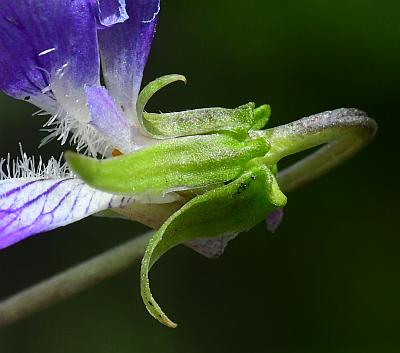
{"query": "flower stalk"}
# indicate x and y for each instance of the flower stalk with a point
(72, 281)
(342, 132)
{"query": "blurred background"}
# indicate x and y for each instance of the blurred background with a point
(328, 280)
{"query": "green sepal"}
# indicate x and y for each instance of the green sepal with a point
(261, 116)
(207, 120)
(149, 90)
(235, 207)
(171, 165)
(198, 121)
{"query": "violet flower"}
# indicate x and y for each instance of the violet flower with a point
(50, 56)
(213, 176)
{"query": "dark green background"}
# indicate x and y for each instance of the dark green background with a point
(328, 280)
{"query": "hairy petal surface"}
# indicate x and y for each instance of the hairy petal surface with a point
(30, 206)
(48, 50)
(124, 50)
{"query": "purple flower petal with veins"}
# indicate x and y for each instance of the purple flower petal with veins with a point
(49, 52)
(49, 55)
(124, 50)
(42, 41)
(30, 206)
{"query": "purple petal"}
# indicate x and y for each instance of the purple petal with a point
(211, 247)
(111, 12)
(108, 119)
(274, 219)
(32, 206)
(47, 46)
(124, 51)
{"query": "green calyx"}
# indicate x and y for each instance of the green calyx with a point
(212, 160)
(219, 168)
(171, 165)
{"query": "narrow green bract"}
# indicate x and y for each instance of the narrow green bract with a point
(178, 164)
(199, 121)
(235, 207)
(202, 121)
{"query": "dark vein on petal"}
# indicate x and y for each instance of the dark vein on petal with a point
(44, 193)
(19, 188)
(9, 223)
(59, 203)
(90, 201)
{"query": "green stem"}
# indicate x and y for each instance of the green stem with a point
(72, 281)
(343, 132)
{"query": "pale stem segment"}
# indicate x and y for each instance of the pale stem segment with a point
(72, 281)
(342, 132)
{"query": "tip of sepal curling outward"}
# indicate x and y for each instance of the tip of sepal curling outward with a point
(153, 87)
(216, 212)
(159, 315)
(198, 121)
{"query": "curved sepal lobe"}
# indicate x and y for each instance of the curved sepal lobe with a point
(232, 208)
